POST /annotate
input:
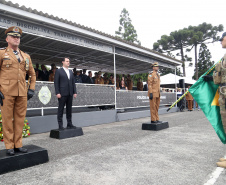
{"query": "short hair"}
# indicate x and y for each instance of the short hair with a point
(63, 59)
(89, 72)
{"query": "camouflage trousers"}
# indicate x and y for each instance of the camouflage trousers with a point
(222, 99)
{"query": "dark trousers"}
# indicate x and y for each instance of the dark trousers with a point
(64, 100)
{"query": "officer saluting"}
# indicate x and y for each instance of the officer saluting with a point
(154, 92)
(14, 64)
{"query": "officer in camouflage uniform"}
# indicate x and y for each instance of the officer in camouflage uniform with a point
(219, 77)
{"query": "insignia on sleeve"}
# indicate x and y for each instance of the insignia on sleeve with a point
(27, 64)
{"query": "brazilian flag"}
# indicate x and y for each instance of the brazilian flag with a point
(206, 95)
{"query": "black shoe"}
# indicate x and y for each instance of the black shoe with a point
(159, 121)
(71, 127)
(23, 150)
(154, 122)
(61, 128)
(10, 152)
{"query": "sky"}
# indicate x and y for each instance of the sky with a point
(151, 18)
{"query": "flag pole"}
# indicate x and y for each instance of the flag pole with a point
(209, 71)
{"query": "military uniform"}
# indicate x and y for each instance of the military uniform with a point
(219, 77)
(189, 99)
(13, 69)
(129, 83)
(99, 80)
(154, 88)
(140, 86)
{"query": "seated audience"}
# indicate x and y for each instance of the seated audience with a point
(77, 77)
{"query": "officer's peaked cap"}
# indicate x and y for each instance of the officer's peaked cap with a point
(14, 31)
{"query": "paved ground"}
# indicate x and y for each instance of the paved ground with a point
(122, 154)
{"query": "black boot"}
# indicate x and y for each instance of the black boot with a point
(10, 152)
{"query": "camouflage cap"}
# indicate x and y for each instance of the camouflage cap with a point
(155, 64)
(222, 37)
(14, 31)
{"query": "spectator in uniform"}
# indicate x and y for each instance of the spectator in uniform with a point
(99, 79)
(129, 82)
(53, 66)
(139, 85)
(52, 75)
(189, 99)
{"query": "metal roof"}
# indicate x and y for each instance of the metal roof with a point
(47, 39)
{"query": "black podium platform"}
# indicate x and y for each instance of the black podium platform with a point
(154, 126)
(35, 155)
(66, 133)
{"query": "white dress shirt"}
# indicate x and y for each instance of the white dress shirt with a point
(67, 72)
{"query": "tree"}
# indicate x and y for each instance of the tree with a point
(126, 30)
(164, 71)
(203, 33)
(176, 41)
(204, 61)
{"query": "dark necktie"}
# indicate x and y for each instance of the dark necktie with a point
(17, 55)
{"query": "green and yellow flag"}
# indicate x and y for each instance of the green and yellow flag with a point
(206, 95)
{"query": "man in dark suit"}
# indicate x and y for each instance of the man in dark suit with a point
(65, 91)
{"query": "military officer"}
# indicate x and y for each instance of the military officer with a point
(140, 85)
(129, 82)
(99, 79)
(14, 64)
(189, 99)
(154, 92)
(219, 77)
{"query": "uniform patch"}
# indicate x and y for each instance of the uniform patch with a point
(150, 75)
(27, 64)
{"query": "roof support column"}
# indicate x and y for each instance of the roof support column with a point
(115, 77)
(176, 83)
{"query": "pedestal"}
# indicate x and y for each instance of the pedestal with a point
(66, 133)
(35, 155)
(154, 126)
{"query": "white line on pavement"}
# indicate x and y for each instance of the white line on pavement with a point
(214, 176)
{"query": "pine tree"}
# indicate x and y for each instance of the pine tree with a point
(204, 60)
(126, 30)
